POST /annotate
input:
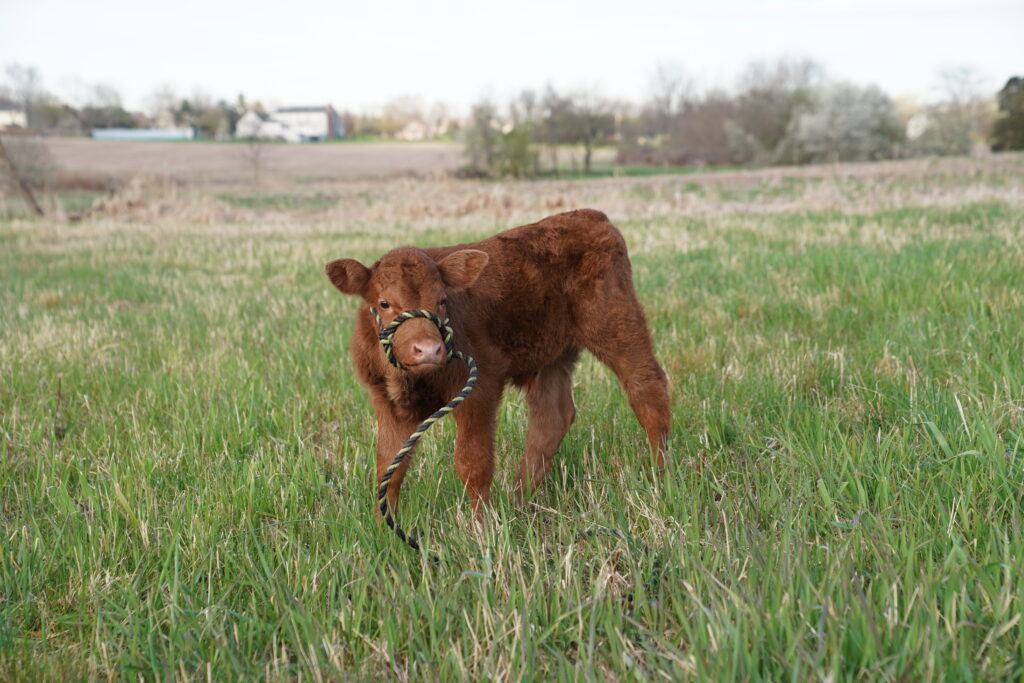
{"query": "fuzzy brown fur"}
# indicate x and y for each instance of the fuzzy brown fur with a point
(523, 303)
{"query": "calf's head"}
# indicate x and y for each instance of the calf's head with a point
(407, 279)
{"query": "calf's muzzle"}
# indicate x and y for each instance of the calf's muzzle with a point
(423, 344)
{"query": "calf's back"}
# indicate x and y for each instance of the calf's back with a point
(541, 282)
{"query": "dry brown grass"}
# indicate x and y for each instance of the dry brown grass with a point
(426, 203)
(410, 184)
(225, 164)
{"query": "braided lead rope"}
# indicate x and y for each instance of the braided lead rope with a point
(386, 337)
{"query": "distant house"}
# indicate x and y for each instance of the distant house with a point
(255, 124)
(413, 131)
(418, 129)
(12, 116)
(292, 124)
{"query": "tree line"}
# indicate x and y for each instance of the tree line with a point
(89, 106)
(785, 111)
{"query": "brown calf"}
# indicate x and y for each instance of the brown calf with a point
(523, 303)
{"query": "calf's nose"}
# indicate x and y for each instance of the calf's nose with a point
(427, 351)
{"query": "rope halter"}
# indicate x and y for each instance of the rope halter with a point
(387, 334)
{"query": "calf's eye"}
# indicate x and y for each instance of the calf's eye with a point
(384, 305)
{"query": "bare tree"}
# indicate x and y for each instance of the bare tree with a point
(556, 123)
(771, 95)
(583, 117)
(964, 115)
(698, 135)
(595, 117)
(100, 107)
(671, 90)
(526, 116)
(27, 86)
(439, 119)
(642, 137)
(525, 108)
(400, 111)
(481, 140)
(27, 164)
(254, 153)
(255, 149)
(959, 84)
(105, 95)
(161, 103)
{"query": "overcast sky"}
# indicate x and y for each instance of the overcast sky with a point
(358, 55)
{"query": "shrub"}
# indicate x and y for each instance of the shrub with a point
(1008, 130)
(848, 123)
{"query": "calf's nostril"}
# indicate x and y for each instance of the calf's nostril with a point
(427, 352)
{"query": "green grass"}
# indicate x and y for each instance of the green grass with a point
(79, 202)
(186, 470)
(73, 203)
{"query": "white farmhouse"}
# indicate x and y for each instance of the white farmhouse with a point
(413, 131)
(12, 116)
(292, 124)
(254, 124)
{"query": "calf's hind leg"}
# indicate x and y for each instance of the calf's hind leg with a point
(614, 329)
(551, 409)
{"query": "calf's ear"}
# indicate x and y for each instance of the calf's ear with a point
(461, 268)
(348, 275)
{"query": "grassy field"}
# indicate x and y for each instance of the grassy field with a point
(186, 469)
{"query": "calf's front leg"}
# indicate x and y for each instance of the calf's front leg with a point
(476, 421)
(391, 434)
